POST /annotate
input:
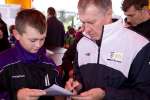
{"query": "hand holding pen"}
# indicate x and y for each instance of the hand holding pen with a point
(73, 85)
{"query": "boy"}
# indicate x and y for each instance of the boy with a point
(24, 69)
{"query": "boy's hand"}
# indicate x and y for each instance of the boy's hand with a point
(29, 94)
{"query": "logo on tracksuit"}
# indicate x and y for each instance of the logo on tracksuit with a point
(47, 83)
(116, 56)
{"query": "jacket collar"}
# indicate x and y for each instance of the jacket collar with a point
(110, 29)
(28, 57)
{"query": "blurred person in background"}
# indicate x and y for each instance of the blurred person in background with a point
(4, 27)
(69, 37)
(4, 43)
(55, 30)
(12, 39)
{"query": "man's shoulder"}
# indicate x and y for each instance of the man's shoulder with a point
(54, 21)
(144, 24)
(134, 35)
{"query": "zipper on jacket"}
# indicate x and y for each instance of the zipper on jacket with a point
(99, 42)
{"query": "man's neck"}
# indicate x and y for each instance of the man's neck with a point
(145, 18)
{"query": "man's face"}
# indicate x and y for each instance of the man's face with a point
(93, 19)
(134, 16)
(31, 40)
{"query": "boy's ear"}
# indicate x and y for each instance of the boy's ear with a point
(16, 34)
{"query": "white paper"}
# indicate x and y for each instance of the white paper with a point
(56, 90)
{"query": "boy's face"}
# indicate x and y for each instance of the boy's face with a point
(31, 40)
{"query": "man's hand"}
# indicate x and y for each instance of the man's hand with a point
(29, 94)
(73, 85)
(92, 94)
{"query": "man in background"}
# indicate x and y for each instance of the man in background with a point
(138, 16)
(55, 30)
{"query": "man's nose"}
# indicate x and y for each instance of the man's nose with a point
(86, 28)
(128, 19)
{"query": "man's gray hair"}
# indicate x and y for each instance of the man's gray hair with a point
(103, 4)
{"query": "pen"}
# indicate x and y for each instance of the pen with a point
(74, 79)
(76, 86)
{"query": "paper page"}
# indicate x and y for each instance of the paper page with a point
(56, 90)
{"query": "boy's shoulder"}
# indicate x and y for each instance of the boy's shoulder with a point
(8, 56)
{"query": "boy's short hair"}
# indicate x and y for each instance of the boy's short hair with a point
(31, 17)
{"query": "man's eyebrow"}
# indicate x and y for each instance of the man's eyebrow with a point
(89, 21)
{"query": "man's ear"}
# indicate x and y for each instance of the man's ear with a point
(108, 15)
(146, 12)
(16, 34)
(109, 12)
